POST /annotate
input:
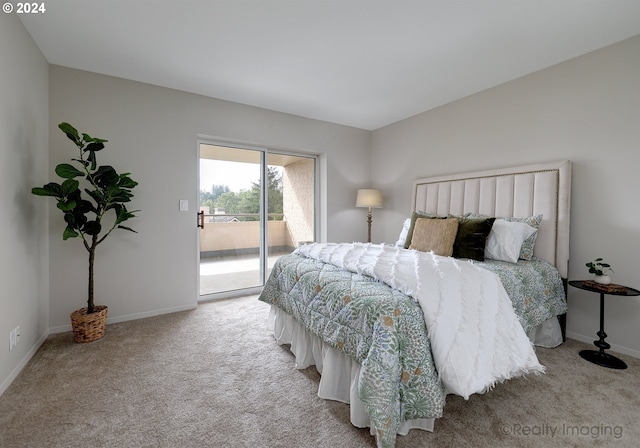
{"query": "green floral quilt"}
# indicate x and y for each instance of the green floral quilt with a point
(378, 326)
(534, 287)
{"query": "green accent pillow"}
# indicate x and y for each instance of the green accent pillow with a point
(471, 238)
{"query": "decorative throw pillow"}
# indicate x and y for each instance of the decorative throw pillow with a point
(414, 217)
(403, 233)
(526, 251)
(435, 235)
(471, 238)
(506, 238)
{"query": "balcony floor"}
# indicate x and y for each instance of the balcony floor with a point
(229, 273)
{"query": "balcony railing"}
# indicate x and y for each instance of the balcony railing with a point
(229, 251)
(237, 237)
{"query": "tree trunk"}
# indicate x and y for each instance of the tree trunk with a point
(92, 255)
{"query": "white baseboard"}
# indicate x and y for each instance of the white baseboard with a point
(128, 317)
(616, 348)
(15, 372)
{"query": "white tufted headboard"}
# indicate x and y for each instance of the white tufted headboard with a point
(522, 191)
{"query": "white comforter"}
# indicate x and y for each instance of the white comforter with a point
(476, 338)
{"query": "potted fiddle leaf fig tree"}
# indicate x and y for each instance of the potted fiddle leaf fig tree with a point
(92, 199)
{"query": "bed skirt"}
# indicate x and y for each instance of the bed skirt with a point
(339, 372)
(548, 334)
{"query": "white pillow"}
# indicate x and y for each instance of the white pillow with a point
(505, 240)
(404, 232)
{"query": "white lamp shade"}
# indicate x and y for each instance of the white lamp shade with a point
(369, 198)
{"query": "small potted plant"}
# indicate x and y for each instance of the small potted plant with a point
(103, 193)
(600, 269)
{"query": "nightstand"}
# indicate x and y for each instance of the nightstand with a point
(599, 356)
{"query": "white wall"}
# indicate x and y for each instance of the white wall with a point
(24, 268)
(586, 110)
(152, 133)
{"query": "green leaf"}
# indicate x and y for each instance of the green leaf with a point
(75, 219)
(127, 228)
(71, 132)
(94, 146)
(113, 190)
(67, 206)
(97, 196)
(69, 233)
(88, 138)
(67, 171)
(39, 191)
(126, 182)
(85, 206)
(50, 189)
(92, 159)
(69, 186)
(123, 215)
(92, 228)
(121, 196)
(106, 176)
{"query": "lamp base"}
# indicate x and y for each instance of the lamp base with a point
(603, 359)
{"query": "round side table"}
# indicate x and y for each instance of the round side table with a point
(599, 357)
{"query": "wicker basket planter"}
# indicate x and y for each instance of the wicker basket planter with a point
(89, 327)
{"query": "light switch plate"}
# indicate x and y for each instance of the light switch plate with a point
(184, 205)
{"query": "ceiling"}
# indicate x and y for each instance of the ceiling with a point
(360, 63)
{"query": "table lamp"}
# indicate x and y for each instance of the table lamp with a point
(371, 199)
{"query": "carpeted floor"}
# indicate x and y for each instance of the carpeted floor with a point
(214, 377)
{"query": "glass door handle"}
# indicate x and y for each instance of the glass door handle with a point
(201, 219)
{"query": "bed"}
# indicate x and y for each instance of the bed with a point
(394, 328)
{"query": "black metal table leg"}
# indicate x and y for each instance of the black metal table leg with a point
(599, 357)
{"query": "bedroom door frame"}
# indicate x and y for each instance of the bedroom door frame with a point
(265, 152)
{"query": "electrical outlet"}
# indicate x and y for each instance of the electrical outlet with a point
(12, 340)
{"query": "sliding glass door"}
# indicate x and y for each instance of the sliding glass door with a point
(255, 206)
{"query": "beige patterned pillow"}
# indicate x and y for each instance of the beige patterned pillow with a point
(437, 235)
(412, 224)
